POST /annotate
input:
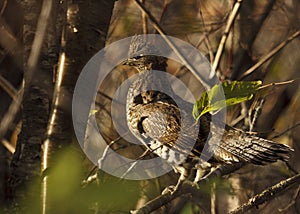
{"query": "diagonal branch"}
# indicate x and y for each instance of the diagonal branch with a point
(231, 19)
(11, 114)
(10, 43)
(271, 54)
(187, 187)
(39, 39)
(8, 87)
(8, 146)
(267, 194)
(285, 131)
(171, 44)
(144, 20)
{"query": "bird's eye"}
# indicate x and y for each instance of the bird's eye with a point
(138, 57)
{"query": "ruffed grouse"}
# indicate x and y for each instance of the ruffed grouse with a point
(156, 120)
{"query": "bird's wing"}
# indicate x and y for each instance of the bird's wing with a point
(238, 146)
(162, 122)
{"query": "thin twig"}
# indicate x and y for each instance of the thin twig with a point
(231, 19)
(213, 199)
(10, 43)
(256, 114)
(291, 168)
(109, 98)
(9, 117)
(8, 88)
(3, 6)
(267, 194)
(276, 84)
(270, 54)
(242, 116)
(147, 152)
(294, 200)
(92, 176)
(202, 39)
(171, 44)
(105, 152)
(144, 20)
(237, 120)
(39, 38)
(285, 131)
(8, 146)
(206, 38)
(187, 187)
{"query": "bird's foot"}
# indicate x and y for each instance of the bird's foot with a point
(193, 184)
(172, 189)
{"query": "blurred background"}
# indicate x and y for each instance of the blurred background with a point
(259, 29)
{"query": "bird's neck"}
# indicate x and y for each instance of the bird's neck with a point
(149, 80)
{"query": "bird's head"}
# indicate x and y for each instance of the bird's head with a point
(144, 56)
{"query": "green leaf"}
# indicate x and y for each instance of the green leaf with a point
(225, 94)
(93, 112)
(200, 105)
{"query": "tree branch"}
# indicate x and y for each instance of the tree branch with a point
(231, 19)
(267, 194)
(181, 56)
(187, 187)
(270, 54)
(8, 87)
(25, 165)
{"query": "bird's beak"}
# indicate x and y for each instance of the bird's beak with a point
(133, 61)
(130, 62)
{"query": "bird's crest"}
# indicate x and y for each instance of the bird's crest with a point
(139, 46)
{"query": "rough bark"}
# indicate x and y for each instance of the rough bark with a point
(84, 34)
(25, 165)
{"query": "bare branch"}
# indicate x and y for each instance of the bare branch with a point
(270, 54)
(267, 194)
(8, 146)
(8, 87)
(3, 6)
(206, 38)
(9, 117)
(276, 84)
(144, 20)
(10, 43)
(171, 44)
(39, 38)
(105, 152)
(231, 19)
(256, 113)
(147, 152)
(285, 131)
(187, 187)
(296, 195)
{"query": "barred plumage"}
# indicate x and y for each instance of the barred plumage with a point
(155, 119)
